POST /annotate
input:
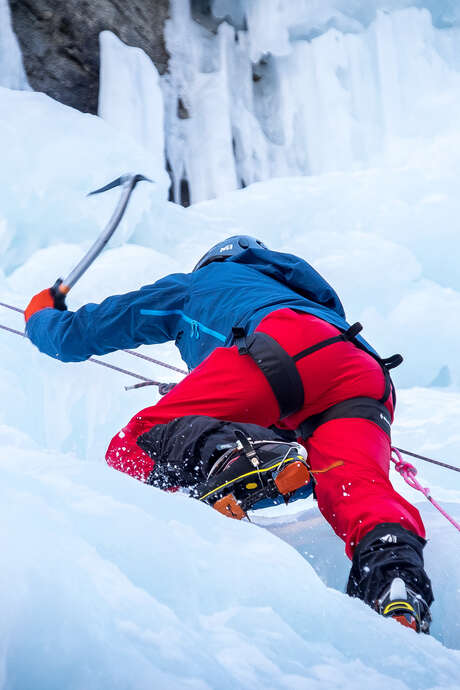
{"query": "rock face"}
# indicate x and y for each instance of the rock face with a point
(59, 41)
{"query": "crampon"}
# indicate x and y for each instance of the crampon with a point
(256, 474)
(405, 606)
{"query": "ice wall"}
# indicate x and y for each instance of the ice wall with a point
(130, 97)
(305, 88)
(198, 100)
(12, 74)
(266, 89)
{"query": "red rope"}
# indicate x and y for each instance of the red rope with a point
(408, 472)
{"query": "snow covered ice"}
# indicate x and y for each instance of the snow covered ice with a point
(108, 583)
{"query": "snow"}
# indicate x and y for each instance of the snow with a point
(109, 582)
(106, 582)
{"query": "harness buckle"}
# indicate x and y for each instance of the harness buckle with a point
(239, 337)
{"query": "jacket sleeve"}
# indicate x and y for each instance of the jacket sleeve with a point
(147, 316)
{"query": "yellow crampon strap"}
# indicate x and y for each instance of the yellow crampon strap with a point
(331, 467)
(256, 471)
(398, 605)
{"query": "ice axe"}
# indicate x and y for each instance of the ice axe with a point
(127, 183)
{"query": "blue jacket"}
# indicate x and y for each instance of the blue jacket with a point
(196, 310)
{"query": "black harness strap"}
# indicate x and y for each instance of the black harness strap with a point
(359, 408)
(278, 367)
(318, 346)
(281, 372)
(348, 335)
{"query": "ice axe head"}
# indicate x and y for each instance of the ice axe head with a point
(128, 180)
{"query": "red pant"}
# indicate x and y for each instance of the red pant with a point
(354, 497)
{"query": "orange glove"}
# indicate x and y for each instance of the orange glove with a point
(42, 300)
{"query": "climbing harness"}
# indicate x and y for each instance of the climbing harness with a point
(280, 370)
(408, 472)
(353, 408)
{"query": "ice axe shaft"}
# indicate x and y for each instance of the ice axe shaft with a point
(127, 183)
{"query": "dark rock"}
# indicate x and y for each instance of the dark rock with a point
(60, 47)
(182, 110)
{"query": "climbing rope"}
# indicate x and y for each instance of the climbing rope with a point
(408, 473)
(128, 352)
(162, 386)
(423, 457)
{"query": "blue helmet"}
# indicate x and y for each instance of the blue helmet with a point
(232, 246)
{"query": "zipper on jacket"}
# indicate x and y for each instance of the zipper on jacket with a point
(195, 330)
(195, 326)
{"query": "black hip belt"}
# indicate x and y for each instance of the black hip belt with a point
(280, 370)
(354, 408)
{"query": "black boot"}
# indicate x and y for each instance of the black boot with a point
(232, 462)
(404, 605)
(388, 574)
(252, 471)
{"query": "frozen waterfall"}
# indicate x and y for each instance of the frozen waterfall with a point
(304, 88)
(261, 89)
(130, 97)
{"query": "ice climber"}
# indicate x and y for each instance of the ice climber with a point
(272, 359)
